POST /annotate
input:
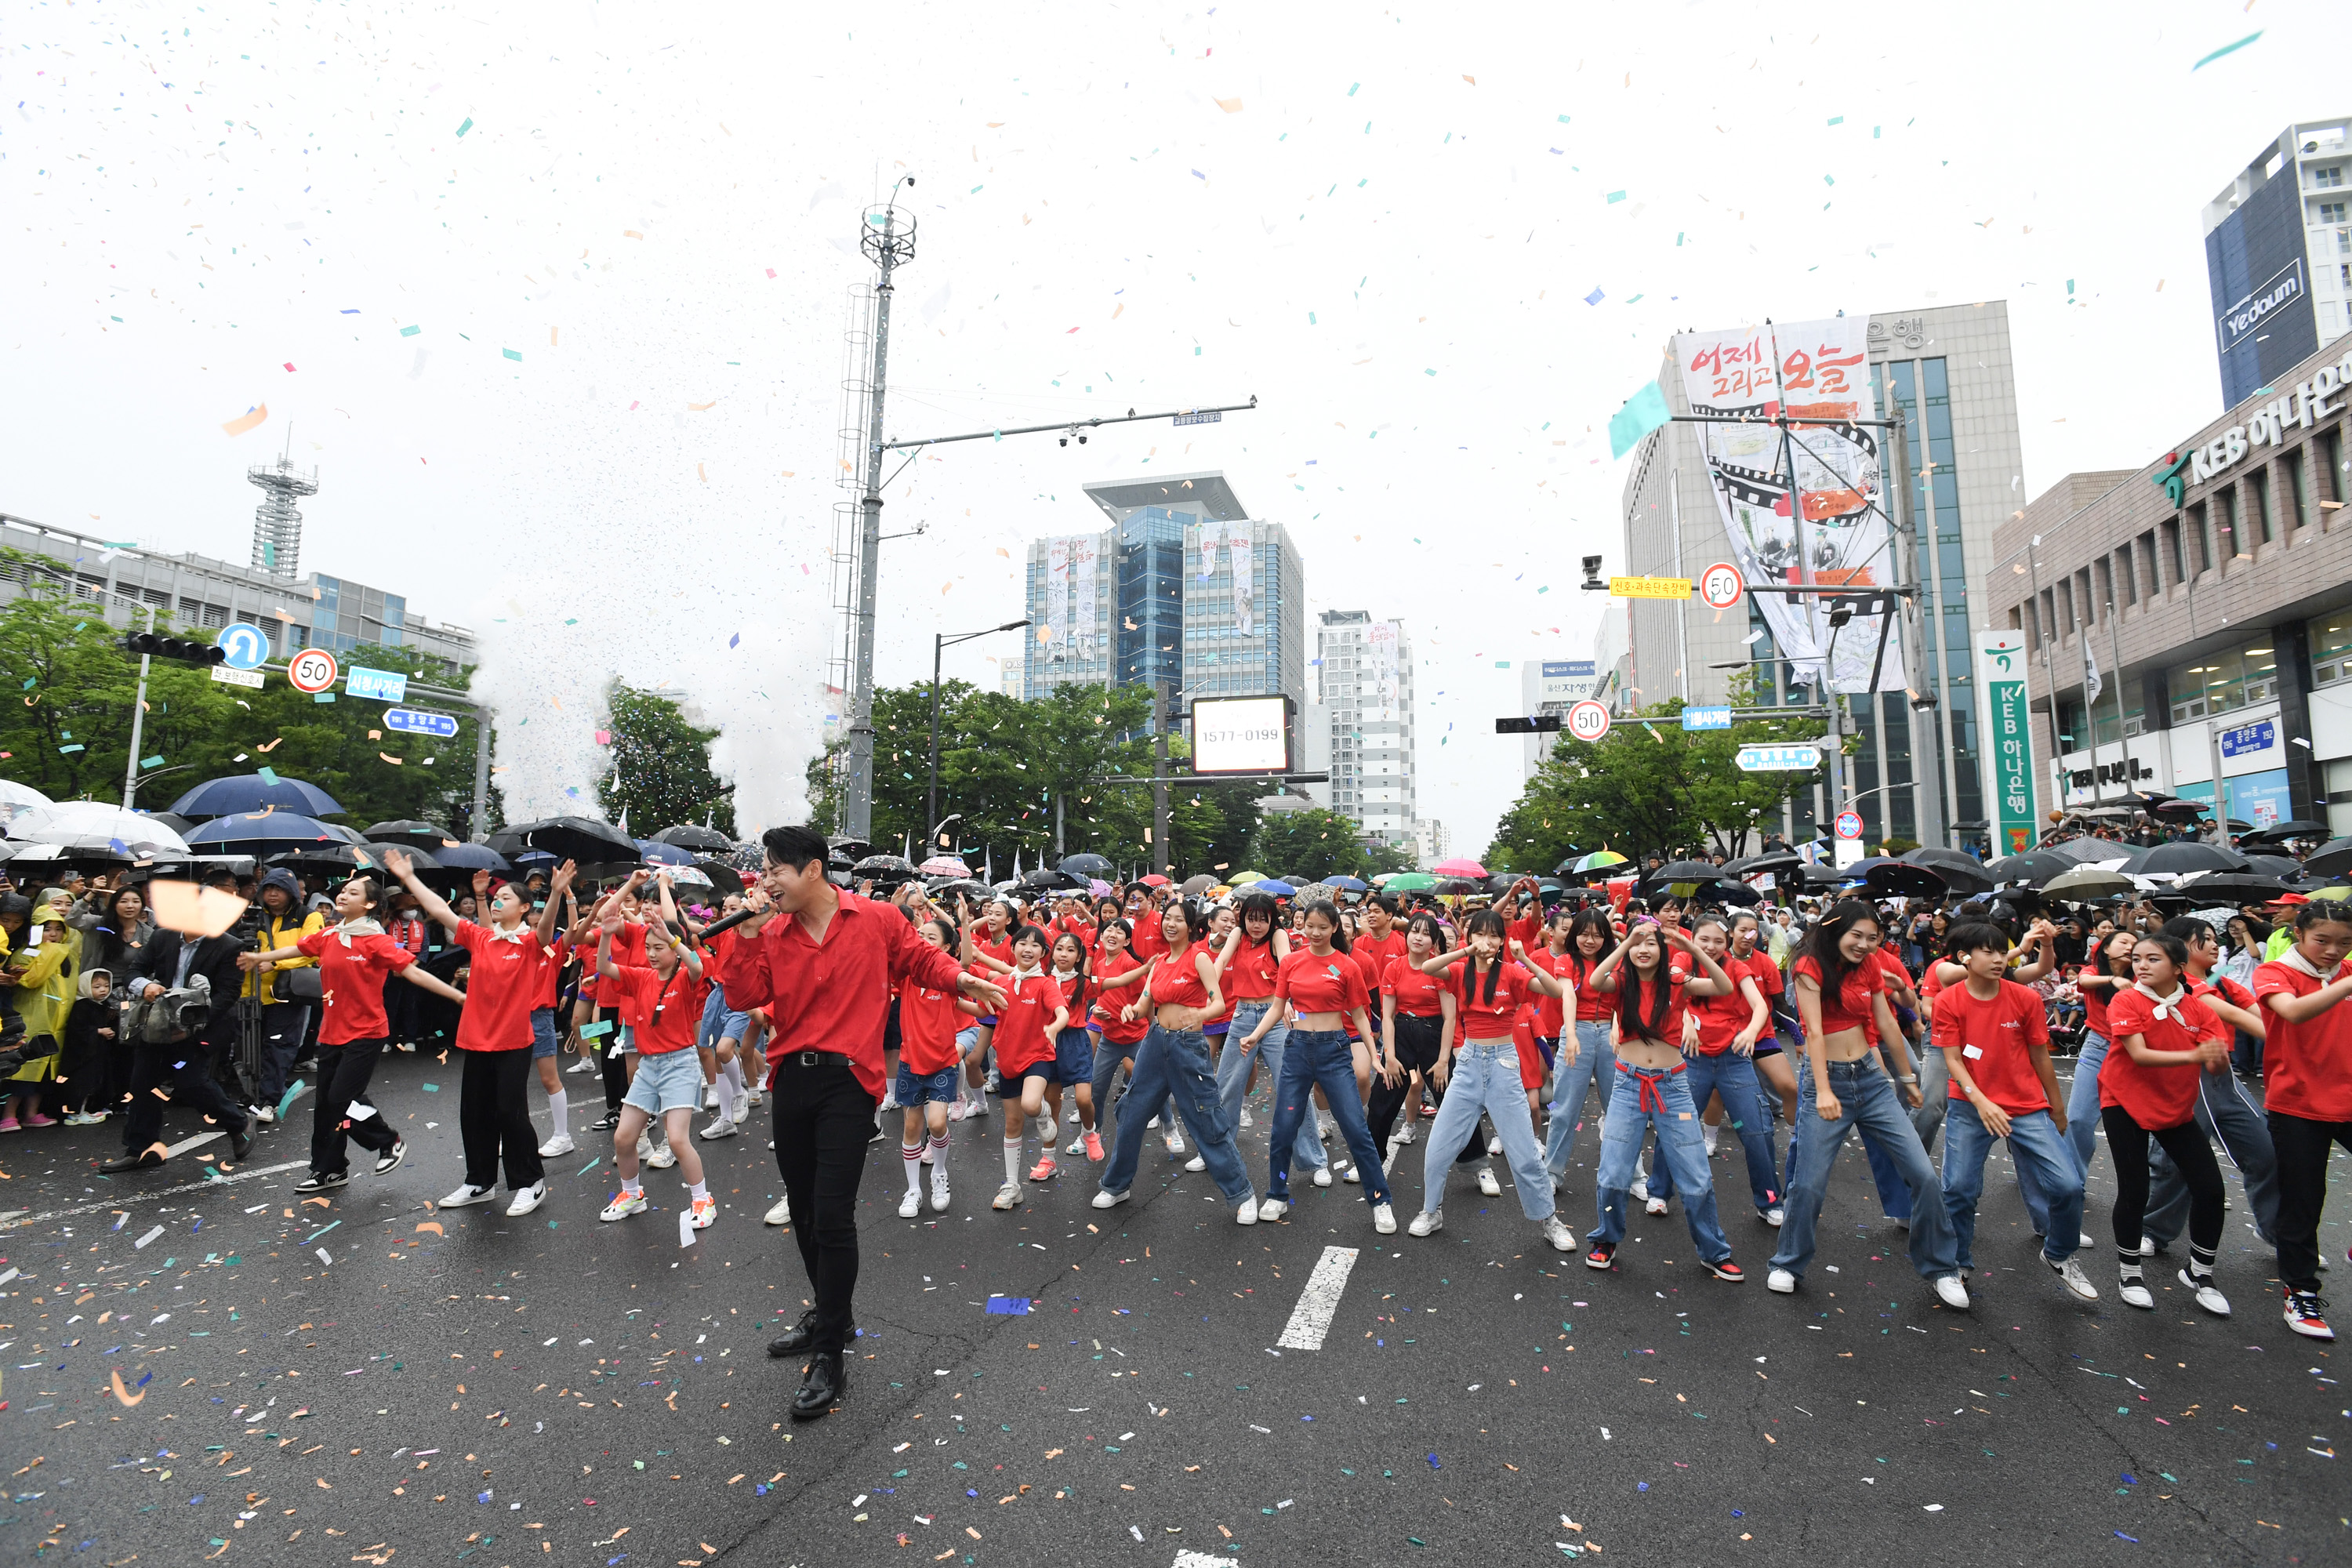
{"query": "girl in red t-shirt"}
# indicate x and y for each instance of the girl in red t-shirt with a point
(2107, 971)
(1252, 956)
(1074, 1058)
(2157, 1029)
(1031, 1018)
(2308, 1090)
(1417, 1011)
(929, 1021)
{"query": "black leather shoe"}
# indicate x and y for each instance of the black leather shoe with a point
(794, 1339)
(146, 1159)
(823, 1386)
(240, 1141)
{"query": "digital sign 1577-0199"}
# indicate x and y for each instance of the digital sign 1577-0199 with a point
(1241, 734)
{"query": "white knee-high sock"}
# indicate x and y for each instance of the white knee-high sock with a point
(726, 1087)
(939, 1160)
(733, 1073)
(1012, 1160)
(911, 1154)
(559, 1106)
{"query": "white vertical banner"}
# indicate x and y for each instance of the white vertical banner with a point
(1800, 508)
(1380, 655)
(1242, 554)
(1211, 531)
(1086, 552)
(1057, 597)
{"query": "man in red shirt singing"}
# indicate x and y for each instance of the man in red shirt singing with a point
(824, 972)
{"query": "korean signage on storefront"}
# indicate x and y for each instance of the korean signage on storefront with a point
(2302, 407)
(2009, 740)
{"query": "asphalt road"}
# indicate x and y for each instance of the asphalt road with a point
(366, 1381)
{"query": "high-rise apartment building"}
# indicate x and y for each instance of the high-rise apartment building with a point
(1550, 686)
(1184, 588)
(2278, 256)
(1364, 670)
(1948, 367)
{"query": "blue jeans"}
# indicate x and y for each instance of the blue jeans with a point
(2083, 1098)
(1734, 1077)
(1322, 1057)
(1174, 1064)
(2228, 1113)
(1484, 1076)
(1867, 1103)
(1671, 1110)
(1595, 1066)
(2034, 1143)
(1232, 1076)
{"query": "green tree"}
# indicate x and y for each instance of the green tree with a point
(1382, 859)
(1649, 786)
(661, 767)
(1311, 844)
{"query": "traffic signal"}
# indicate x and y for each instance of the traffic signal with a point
(180, 648)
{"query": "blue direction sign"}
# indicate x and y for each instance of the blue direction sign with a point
(384, 684)
(1779, 759)
(244, 645)
(418, 721)
(1706, 717)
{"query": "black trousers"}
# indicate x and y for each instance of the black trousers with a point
(1417, 1044)
(2127, 1146)
(188, 1069)
(824, 1119)
(343, 1074)
(80, 1079)
(494, 1120)
(609, 1062)
(2302, 1146)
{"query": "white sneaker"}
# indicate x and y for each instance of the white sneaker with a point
(1272, 1209)
(1402, 1134)
(530, 1198)
(1493, 1147)
(1562, 1239)
(1784, 1283)
(1247, 1213)
(561, 1143)
(2147, 1245)
(1322, 1175)
(710, 1098)
(585, 1064)
(1109, 1200)
(2086, 1244)
(956, 1112)
(1775, 1216)
(1008, 1197)
(1195, 1163)
(2208, 1295)
(722, 1128)
(1175, 1141)
(661, 1158)
(1247, 1120)
(1078, 1145)
(2070, 1274)
(911, 1204)
(465, 1197)
(1072, 1117)
(1487, 1184)
(623, 1204)
(782, 1214)
(1950, 1289)
(1151, 1124)
(938, 1195)
(1640, 1189)
(1355, 1176)
(889, 1102)
(265, 1114)
(645, 1146)
(1426, 1222)
(1708, 1135)
(1384, 1219)
(1654, 1205)
(2134, 1293)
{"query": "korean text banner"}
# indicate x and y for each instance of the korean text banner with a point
(2008, 740)
(1802, 505)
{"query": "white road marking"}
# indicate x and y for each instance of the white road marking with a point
(115, 1202)
(1203, 1559)
(184, 1144)
(1319, 1302)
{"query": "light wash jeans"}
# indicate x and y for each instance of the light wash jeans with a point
(1669, 1108)
(1595, 1067)
(1484, 1076)
(1322, 1057)
(1233, 1078)
(2034, 1143)
(1732, 1076)
(1174, 1063)
(2083, 1098)
(1867, 1103)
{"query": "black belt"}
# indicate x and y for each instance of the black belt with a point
(817, 1059)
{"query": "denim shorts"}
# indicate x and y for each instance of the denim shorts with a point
(542, 1032)
(913, 1090)
(667, 1082)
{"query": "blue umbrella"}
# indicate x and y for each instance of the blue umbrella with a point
(1268, 885)
(1349, 883)
(262, 833)
(250, 792)
(472, 857)
(657, 853)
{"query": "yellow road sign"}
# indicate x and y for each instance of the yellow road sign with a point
(1649, 587)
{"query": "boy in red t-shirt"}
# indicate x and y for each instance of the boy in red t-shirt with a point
(1995, 1037)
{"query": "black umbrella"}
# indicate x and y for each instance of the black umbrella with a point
(1779, 861)
(945, 889)
(471, 858)
(1962, 873)
(1685, 871)
(1044, 881)
(2180, 808)
(1089, 866)
(725, 878)
(686, 836)
(1864, 866)
(2279, 833)
(2331, 858)
(578, 838)
(846, 852)
(2088, 851)
(1456, 885)
(1736, 893)
(415, 834)
(2034, 868)
(1905, 880)
(889, 870)
(2182, 857)
(2286, 866)
(343, 858)
(2232, 887)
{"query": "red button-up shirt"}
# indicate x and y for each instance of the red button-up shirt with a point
(834, 995)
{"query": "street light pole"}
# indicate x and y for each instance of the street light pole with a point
(940, 644)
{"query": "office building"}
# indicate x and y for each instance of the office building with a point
(1431, 842)
(2278, 256)
(199, 593)
(1550, 686)
(1184, 588)
(2206, 598)
(1364, 694)
(1948, 368)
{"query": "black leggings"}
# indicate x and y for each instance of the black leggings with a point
(1417, 1044)
(2127, 1146)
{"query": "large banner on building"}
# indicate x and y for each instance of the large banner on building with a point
(2008, 741)
(1802, 505)
(1071, 625)
(1243, 556)
(1381, 703)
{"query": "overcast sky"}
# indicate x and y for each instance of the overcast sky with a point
(553, 295)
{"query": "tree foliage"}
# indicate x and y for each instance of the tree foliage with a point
(69, 732)
(1649, 786)
(1314, 845)
(661, 768)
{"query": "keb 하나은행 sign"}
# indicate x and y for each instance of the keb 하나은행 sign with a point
(2007, 748)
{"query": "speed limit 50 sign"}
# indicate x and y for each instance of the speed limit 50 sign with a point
(1587, 720)
(1721, 584)
(311, 670)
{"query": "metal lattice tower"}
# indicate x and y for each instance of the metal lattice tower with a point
(278, 522)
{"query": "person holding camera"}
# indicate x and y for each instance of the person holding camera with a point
(286, 992)
(183, 993)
